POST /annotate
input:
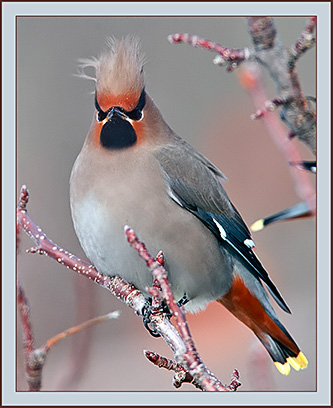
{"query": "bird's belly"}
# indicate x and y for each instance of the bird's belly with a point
(196, 263)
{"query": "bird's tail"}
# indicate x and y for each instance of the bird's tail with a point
(266, 326)
(282, 356)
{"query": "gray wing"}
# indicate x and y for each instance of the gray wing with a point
(195, 185)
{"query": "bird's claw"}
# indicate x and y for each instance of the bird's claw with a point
(146, 313)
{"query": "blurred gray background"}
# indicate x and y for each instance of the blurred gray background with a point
(206, 106)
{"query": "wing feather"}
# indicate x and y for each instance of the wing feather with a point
(194, 183)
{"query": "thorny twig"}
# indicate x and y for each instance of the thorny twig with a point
(181, 344)
(297, 111)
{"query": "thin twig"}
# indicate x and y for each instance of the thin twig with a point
(297, 112)
(44, 246)
(181, 375)
(189, 358)
(226, 56)
(250, 78)
(306, 41)
(182, 345)
(31, 367)
(76, 329)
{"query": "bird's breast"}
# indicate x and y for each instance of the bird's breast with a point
(112, 192)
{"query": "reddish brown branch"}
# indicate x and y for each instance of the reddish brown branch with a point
(182, 345)
(250, 78)
(33, 365)
(181, 375)
(234, 383)
(35, 358)
(297, 112)
(76, 329)
(121, 289)
(227, 56)
(24, 310)
(189, 358)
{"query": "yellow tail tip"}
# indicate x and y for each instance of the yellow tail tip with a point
(283, 368)
(298, 363)
(257, 226)
(302, 360)
(294, 363)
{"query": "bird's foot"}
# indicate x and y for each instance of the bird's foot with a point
(146, 313)
(148, 310)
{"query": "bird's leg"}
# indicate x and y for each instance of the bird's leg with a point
(146, 313)
(155, 305)
(149, 309)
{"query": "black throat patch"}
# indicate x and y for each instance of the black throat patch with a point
(117, 131)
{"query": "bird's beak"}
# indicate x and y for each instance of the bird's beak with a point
(117, 112)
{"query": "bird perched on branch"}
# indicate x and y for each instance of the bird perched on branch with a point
(134, 170)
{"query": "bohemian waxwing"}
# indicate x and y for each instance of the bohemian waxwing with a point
(134, 170)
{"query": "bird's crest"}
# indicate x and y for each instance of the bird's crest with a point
(118, 71)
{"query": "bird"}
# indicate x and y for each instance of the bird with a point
(134, 170)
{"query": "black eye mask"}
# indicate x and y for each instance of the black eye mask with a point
(135, 114)
(117, 131)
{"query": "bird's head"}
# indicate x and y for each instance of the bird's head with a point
(120, 96)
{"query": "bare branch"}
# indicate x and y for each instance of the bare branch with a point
(33, 363)
(44, 246)
(298, 112)
(181, 375)
(76, 329)
(306, 41)
(227, 56)
(182, 345)
(250, 78)
(189, 358)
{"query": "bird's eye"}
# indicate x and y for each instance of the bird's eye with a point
(137, 113)
(100, 115)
